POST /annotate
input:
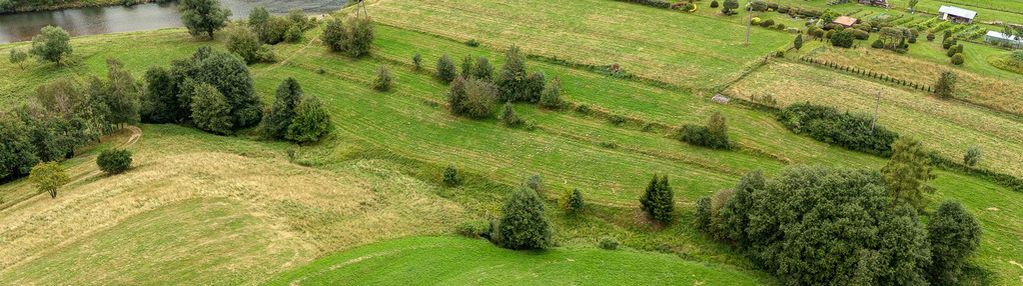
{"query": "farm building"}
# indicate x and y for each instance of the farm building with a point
(878, 3)
(845, 21)
(998, 38)
(956, 14)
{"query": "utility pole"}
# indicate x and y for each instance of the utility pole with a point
(749, 19)
(360, 6)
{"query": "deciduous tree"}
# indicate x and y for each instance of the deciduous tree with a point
(203, 16)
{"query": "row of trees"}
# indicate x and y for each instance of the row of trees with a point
(352, 37)
(857, 132)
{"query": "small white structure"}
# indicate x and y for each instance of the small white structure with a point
(956, 14)
(998, 38)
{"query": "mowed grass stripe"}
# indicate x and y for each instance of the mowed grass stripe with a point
(686, 50)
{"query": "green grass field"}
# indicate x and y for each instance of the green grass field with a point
(459, 261)
(378, 178)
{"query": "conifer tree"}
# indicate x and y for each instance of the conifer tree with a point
(658, 200)
(523, 224)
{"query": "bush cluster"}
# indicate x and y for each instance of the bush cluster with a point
(472, 98)
(714, 135)
(814, 225)
(64, 116)
(294, 116)
(352, 37)
(826, 124)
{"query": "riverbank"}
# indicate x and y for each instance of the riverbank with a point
(71, 4)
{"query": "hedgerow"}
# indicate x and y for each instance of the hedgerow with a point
(826, 124)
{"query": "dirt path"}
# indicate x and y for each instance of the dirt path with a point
(136, 135)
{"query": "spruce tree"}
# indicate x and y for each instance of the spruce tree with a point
(658, 201)
(511, 81)
(523, 224)
(468, 64)
(508, 116)
(280, 115)
(798, 42)
(446, 69)
(483, 70)
(574, 202)
(311, 122)
(945, 86)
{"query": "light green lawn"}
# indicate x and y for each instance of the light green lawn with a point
(460, 261)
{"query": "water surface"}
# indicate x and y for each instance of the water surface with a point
(101, 20)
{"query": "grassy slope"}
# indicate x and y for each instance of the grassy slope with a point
(460, 261)
(563, 150)
(199, 208)
(678, 48)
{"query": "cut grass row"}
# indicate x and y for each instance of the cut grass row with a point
(687, 50)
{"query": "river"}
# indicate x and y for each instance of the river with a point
(111, 19)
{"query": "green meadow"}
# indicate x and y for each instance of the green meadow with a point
(368, 205)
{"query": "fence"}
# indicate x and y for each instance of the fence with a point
(870, 74)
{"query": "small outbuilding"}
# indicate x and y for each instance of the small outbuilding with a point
(845, 21)
(999, 38)
(956, 14)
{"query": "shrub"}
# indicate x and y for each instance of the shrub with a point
(767, 23)
(294, 34)
(534, 87)
(945, 86)
(417, 62)
(826, 124)
(468, 63)
(616, 119)
(243, 42)
(779, 26)
(472, 98)
(798, 42)
(210, 110)
(958, 59)
(114, 161)
(658, 201)
(608, 243)
(311, 122)
(383, 80)
(352, 37)
(473, 229)
(535, 182)
(842, 39)
(813, 225)
(446, 70)
(702, 217)
(714, 135)
(878, 44)
(714, 3)
(573, 202)
(53, 44)
(972, 156)
(508, 116)
(756, 21)
(451, 177)
(954, 235)
(759, 6)
(472, 43)
(930, 36)
(859, 34)
(265, 54)
(551, 97)
(523, 223)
